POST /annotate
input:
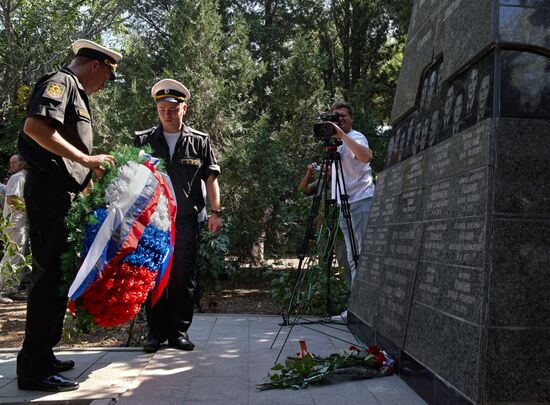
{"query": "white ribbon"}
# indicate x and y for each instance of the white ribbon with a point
(115, 215)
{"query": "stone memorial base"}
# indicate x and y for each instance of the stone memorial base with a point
(454, 274)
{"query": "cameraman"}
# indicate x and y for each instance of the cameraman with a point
(355, 156)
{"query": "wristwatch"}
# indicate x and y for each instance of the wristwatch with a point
(217, 212)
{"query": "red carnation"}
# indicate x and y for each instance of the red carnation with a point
(379, 360)
(118, 295)
(373, 350)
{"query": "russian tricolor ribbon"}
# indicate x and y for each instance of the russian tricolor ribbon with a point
(163, 274)
(124, 225)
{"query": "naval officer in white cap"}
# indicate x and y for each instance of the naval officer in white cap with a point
(192, 167)
(56, 141)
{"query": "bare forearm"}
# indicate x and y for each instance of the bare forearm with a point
(213, 192)
(215, 222)
(302, 187)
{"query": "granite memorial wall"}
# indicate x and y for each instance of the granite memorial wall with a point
(454, 274)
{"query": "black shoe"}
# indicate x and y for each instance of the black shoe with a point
(151, 345)
(182, 343)
(18, 296)
(59, 366)
(53, 383)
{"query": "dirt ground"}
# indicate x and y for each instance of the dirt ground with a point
(247, 292)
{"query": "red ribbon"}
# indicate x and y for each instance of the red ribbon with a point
(172, 209)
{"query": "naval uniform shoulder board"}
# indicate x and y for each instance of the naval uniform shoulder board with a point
(145, 131)
(196, 132)
(141, 136)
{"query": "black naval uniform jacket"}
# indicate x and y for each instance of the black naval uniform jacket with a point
(193, 161)
(49, 186)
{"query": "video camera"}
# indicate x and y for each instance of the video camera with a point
(323, 130)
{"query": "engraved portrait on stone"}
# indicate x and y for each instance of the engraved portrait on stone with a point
(434, 129)
(471, 91)
(457, 113)
(439, 85)
(525, 85)
(483, 95)
(431, 88)
(449, 98)
(424, 93)
(398, 144)
(443, 108)
(425, 131)
(408, 150)
(402, 143)
(417, 137)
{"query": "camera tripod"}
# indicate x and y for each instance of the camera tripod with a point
(325, 245)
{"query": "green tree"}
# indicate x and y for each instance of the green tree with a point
(183, 40)
(35, 38)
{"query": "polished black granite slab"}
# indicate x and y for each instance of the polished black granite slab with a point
(419, 377)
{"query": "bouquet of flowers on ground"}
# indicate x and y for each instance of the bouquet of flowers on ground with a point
(306, 368)
(121, 236)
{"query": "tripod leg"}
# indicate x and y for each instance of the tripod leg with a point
(290, 306)
(346, 212)
(328, 253)
(302, 253)
(286, 339)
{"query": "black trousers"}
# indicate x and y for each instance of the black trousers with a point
(47, 205)
(173, 312)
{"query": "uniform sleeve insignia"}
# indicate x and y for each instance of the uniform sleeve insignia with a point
(83, 113)
(55, 90)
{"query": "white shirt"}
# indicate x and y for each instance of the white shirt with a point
(2, 196)
(15, 186)
(356, 175)
(171, 140)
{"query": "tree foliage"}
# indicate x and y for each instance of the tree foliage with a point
(259, 71)
(35, 37)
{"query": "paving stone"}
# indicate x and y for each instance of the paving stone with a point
(218, 388)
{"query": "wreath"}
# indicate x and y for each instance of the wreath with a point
(121, 234)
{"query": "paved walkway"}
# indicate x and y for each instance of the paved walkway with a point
(231, 357)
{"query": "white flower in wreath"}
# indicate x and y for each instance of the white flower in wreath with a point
(115, 190)
(161, 216)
